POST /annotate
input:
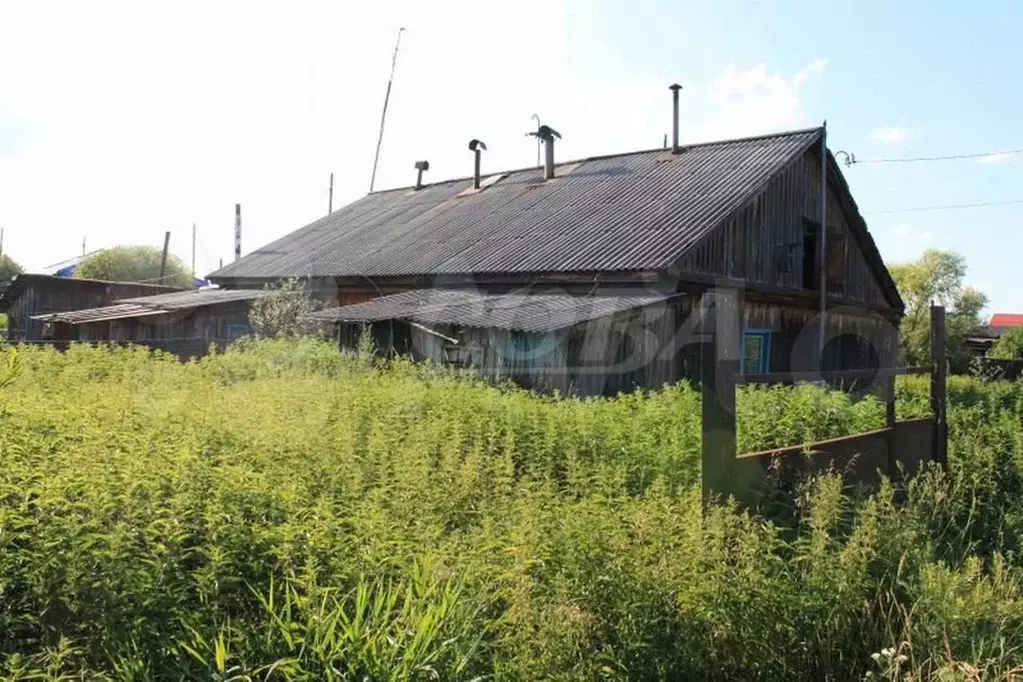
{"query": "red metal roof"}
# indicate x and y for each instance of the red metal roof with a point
(1007, 320)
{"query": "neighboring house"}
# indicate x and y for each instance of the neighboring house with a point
(28, 295)
(582, 276)
(982, 339)
(184, 323)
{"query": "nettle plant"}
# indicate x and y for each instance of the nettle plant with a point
(286, 511)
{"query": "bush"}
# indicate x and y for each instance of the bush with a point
(9, 268)
(281, 313)
(286, 511)
(135, 264)
(1009, 346)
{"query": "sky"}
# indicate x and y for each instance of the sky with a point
(122, 120)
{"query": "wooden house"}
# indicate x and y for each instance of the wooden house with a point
(27, 296)
(589, 276)
(983, 339)
(185, 323)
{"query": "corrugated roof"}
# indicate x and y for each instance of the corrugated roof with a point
(1006, 320)
(635, 211)
(537, 312)
(153, 305)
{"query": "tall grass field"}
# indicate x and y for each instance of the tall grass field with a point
(282, 511)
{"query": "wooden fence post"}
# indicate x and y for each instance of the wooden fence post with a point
(719, 365)
(939, 368)
(890, 419)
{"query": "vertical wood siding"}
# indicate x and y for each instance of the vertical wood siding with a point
(645, 348)
(49, 296)
(769, 230)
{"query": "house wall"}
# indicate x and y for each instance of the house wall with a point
(763, 243)
(51, 295)
(185, 334)
(644, 348)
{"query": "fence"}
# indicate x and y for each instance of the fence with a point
(898, 449)
(1009, 370)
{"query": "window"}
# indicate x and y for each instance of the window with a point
(756, 351)
(238, 330)
(811, 255)
(836, 261)
(523, 347)
(836, 258)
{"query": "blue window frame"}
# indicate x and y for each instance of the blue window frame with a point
(756, 351)
(236, 331)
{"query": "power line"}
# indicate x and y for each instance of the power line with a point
(851, 159)
(945, 207)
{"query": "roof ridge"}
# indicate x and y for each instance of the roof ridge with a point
(601, 157)
(90, 280)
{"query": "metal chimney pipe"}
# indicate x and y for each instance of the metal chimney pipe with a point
(420, 167)
(547, 134)
(548, 157)
(237, 231)
(476, 147)
(674, 87)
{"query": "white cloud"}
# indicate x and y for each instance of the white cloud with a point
(178, 134)
(814, 68)
(893, 135)
(755, 100)
(908, 233)
(999, 158)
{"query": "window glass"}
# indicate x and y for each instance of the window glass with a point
(756, 352)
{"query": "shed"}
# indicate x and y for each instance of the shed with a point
(29, 295)
(184, 323)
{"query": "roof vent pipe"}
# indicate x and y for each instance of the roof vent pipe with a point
(674, 87)
(475, 146)
(547, 134)
(420, 167)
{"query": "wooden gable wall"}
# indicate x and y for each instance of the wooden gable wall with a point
(764, 242)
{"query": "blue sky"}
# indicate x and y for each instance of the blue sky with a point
(121, 120)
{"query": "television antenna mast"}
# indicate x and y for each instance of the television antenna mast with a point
(383, 114)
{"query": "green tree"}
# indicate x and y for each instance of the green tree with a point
(135, 264)
(9, 268)
(281, 313)
(937, 277)
(1009, 346)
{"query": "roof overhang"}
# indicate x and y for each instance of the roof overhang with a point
(148, 306)
(535, 312)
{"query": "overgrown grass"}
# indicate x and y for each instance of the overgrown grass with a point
(282, 511)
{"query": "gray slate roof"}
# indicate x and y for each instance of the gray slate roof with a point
(153, 305)
(539, 312)
(635, 211)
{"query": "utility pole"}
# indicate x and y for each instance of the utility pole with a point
(163, 258)
(330, 197)
(383, 114)
(237, 231)
(83, 246)
(193, 250)
(1, 242)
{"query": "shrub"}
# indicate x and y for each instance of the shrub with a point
(286, 511)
